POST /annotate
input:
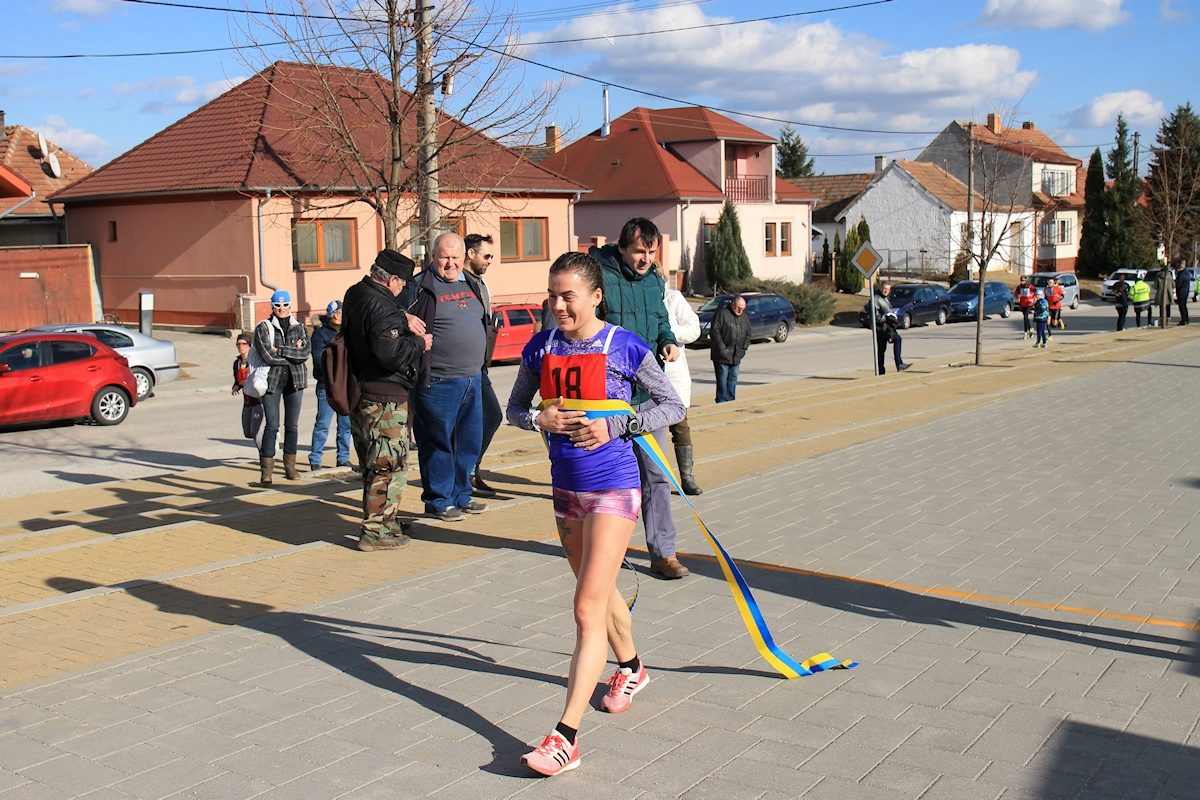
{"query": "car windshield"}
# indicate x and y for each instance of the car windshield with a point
(902, 295)
(715, 303)
(1041, 280)
(966, 287)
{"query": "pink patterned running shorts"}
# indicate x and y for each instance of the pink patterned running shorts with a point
(625, 503)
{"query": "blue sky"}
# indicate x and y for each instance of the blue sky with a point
(904, 65)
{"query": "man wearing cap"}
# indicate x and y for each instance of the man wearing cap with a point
(479, 258)
(330, 324)
(448, 403)
(385, 356)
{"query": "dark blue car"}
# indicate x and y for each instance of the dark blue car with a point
(771, 315)
(964, 299)
(915, 303)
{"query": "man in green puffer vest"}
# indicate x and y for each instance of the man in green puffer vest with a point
(633, 297)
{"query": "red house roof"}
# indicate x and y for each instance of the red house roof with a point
(283, 129)
(1026, 141)
(29, 172)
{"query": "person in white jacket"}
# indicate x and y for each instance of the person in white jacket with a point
(686, 327)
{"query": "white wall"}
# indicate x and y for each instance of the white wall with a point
(904, 219)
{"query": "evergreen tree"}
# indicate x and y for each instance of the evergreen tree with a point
(864, 231)
(1093, 258)
(1173, 185)
(792, 155)
(1127, 238)
(849, 279)
(729, 260)
(826, 258)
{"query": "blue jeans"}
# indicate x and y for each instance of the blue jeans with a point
(727, 378)
(492, 416)
(448, 421)
(321, 432)
(291, 421)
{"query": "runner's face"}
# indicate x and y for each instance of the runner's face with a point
(639, 257)
(572, 304)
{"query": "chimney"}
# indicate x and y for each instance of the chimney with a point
(879, 163)
(1028, 125)
(605, 128)
(553, 139)
(993, 123)
(2, 136)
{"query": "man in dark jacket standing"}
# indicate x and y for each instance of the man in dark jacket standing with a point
(331, 323)
(1183, 288)
(633, 296)
(385, 355)
(448, 402)
(729, 339)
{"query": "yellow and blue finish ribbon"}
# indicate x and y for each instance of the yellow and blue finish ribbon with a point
(743, 598)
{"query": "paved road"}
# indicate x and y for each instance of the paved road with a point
(193, 423)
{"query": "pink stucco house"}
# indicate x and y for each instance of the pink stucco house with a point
(243, 196)
(676, 167)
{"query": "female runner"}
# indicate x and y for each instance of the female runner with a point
(595, 481)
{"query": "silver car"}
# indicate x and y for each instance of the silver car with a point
(152, 361)
(1066, 280)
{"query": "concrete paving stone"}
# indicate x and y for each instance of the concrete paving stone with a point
(337, 778)
(917, 752)
(191, 661)
(905, 778)
(810, 736)
(1023, 783)
(942, 739)
(670, 775)
(845, 758)
(98, 743)
(55, 730)
(106, 793)
(25, 714)
(880, 734)
(226, 786)
(18, 752)
(50, 695)
(11, 780)
(265, 763)
(717, 746)
(233, 722)
(948, 787)
(842, 708)
(717, 788)
(832, 786)
(326, 749)
(198, 743)
(138, 758)
(32, 790)
(179, 715)
(881, 680)
(72, 774)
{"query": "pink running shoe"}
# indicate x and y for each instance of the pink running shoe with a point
(553, 755)
(622, 686)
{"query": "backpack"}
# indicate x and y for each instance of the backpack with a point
(342, 390)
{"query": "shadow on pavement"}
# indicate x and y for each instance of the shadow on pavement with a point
(354, 648)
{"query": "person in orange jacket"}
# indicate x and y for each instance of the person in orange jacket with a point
(1025, 296)
(1054, 298)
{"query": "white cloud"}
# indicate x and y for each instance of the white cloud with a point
(1139, 108)
(1092, 15)
(88, 8)
(1168, 11)
(84, 144)
(170, 92)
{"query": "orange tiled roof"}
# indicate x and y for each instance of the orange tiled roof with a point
(832, 193)
(1027, 142)
(266, 133)
(19, 155)
(941, 184)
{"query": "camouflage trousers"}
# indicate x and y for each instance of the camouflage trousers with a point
(380, 434)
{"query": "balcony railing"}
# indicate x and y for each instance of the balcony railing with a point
(748, 189)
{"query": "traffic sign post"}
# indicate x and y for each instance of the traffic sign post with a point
(867, 261)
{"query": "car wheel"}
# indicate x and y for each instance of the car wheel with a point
(906, 322)
(1006, 312)
(110, 406)
(941, 317)
(145, 382)
(781, 332)
(1075, 303)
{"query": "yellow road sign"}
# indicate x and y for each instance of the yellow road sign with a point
(867, 260)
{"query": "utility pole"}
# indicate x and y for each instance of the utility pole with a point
(971, 240)
(1137, 139)
(427, 128)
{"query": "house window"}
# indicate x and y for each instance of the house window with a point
(1056, 182)
(524, 239)
(769, 238)
(112, 230)
(1056, 231)
(323, 244)
(785, 238)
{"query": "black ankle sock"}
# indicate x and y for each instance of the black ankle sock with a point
(566, 732)
(631, 665)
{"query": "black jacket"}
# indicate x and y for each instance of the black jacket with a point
(425, 307)
(729, 337)
(322, 335)
(382, 349)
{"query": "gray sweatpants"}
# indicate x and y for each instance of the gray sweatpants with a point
(656, 502)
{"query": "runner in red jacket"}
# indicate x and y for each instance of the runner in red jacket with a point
(1026, 295)
(1054, 297)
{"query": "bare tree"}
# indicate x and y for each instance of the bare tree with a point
(1173, 189)
(366, 76)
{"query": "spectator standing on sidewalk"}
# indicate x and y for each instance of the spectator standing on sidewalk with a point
(596, 482)
(282, 343)
(686, 327)
(1165, 286)
(885, 330)
(448, 401)
(633, 294)
(1139, 298)
(1025, 297)
(1183, 287)
(1120, 291)
(728, 341)
(1054, 298)
(1041, 318)
(479, 258)
(252, 410)
(385, 356)
(330, 324)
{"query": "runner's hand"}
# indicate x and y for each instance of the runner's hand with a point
(592, 434)
(553, 419)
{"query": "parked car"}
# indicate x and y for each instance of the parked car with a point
(514, 328)
(151, 360)
(56, 376)
(771, 316)
(1067, 280)
(964, 299)
(915, 302)
(1129, 274)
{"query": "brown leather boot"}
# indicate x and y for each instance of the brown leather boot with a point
(289, 467)
(668, 568)
(266, 466)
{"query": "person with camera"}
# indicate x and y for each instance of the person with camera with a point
(886, 331)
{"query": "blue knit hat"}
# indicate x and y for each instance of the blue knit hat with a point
(281, 296)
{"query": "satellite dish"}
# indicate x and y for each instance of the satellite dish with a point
(55, 167)
(42, 150)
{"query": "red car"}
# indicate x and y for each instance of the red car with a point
(514, 325)
(56, 376)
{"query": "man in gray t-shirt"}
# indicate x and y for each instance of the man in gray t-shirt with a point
(447, 404)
